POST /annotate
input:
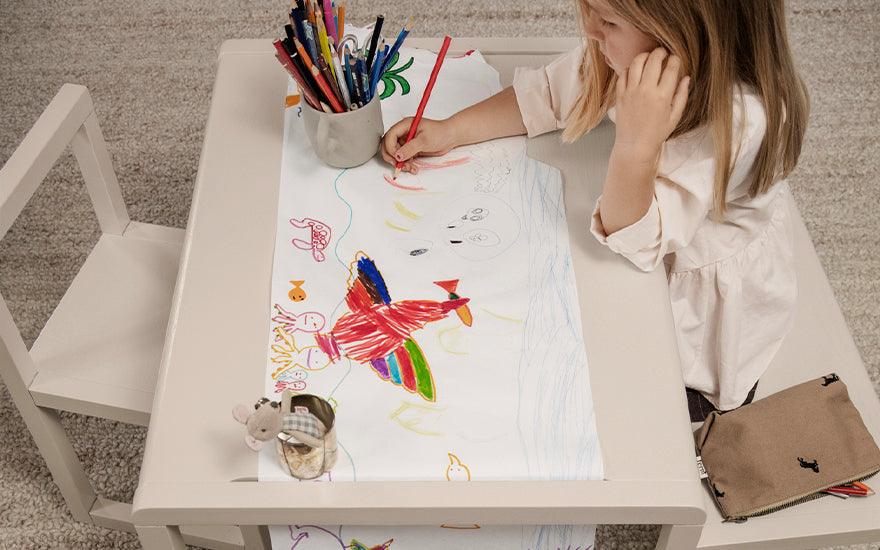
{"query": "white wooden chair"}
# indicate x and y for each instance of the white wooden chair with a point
(99, 352)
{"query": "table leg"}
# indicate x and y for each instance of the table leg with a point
(256, 537)
(160, 537)
(679, 537)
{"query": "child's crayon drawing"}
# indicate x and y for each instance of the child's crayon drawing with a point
(393, 77)
(309, 321)
(418, 418)
(454, 347)
(296, 293)
(455, 470)
(319, 234)
(378, 331)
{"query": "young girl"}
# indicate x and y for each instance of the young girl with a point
(710, 117)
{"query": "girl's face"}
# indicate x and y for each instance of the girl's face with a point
(618, 39)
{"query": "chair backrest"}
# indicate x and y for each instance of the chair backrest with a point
(68, 120)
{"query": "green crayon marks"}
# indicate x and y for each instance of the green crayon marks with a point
(392, 77)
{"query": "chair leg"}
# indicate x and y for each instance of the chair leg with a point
(65, 467)
(160, 537)
(256, 537)
(679, 537)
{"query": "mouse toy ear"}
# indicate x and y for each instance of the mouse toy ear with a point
(241, 413)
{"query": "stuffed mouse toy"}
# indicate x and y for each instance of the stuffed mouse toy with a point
(263, 423)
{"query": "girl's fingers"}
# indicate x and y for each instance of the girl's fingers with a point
(679, 100)
(653, 67)
(669, 79)
(634, 73)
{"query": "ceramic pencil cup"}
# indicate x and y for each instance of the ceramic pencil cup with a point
(307, 445)
(348, 139)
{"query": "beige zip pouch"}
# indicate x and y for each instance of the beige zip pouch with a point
(785, 449)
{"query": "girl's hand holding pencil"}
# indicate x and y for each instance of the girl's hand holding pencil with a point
(433, 138)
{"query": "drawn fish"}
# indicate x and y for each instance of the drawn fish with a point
(378, 332)
(297, 294)
(464, 311)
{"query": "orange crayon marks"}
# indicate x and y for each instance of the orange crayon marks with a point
(297, 294)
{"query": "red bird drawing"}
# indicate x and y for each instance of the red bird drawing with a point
(378, 332)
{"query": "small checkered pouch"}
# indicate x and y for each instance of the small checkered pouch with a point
(303, 421)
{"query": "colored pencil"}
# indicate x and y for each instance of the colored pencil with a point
(342, 18)
(322, 83)
(329, 21)
(421, 110)
(861, 485)
(303, 29)
(298, 26)
(377, 31)
(327, 73)
(374, 78)
(343, 87)
(306, 62)
(346, 67)
(298, 60)
(323, 40)
(306, 92)
(399, 42)
(364, 82)
(855, 491)
(355, 80)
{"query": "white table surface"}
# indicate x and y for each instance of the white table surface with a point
(196, 468)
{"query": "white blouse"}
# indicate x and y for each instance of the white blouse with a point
(731, 281)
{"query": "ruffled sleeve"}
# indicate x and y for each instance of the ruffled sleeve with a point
(547, 94)
(683, 195)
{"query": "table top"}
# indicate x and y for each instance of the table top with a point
(196, 469)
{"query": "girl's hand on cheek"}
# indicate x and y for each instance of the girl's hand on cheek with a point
(650, 101)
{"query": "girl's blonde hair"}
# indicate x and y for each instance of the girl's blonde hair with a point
(720, 43)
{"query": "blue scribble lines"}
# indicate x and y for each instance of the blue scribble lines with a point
(555, 415)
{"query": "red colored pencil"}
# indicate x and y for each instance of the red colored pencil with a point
(848, 491)
(418, 118)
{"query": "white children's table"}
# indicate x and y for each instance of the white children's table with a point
(197, 470)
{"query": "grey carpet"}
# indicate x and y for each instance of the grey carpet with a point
(150, 68)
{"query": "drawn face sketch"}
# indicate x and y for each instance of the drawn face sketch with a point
(480, 228)
(311, 321)
(315, 359)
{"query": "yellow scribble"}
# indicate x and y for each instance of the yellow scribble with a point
(396, 227)
(447, 334)
(404, 211)
(502, 317)
(411, 416)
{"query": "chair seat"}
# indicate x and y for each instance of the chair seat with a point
(99, 353)
(819, 343)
